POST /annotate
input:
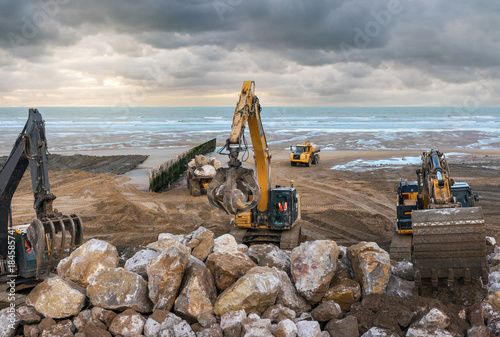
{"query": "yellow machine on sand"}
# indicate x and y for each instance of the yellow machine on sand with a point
(261, 213)
(305, 153)
(438, 227)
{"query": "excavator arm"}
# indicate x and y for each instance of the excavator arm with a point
(30, 149)
(229, 189)
(436, 182)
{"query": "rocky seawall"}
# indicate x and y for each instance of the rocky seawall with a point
(196, 285)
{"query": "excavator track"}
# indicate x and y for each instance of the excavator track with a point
(287, 239)
(449, 243)
(291, 238)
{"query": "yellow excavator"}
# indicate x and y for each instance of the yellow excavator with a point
(438, 226)
(261, 213)
(33, 250)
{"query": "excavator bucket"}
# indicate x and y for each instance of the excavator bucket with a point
(52, 240)
(234, 190)
(449, 243)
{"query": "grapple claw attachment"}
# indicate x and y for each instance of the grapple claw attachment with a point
(229, 190)
(53, 239)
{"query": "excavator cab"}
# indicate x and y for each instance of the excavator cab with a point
(284, 207)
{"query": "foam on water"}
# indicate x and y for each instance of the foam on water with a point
(336, 128)
(361, 165)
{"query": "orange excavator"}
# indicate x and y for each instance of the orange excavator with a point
(261, 213)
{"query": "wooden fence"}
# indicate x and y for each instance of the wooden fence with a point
(165, 174)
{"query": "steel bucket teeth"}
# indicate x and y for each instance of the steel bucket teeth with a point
(449, 243)
(230, 187)
(53, 239)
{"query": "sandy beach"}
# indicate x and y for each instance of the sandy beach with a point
(355, 202)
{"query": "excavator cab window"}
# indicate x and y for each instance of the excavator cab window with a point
(462, 197)
(282, 205)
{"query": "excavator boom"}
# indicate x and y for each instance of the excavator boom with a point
(52, 235)
(229, 188)
(262, 213)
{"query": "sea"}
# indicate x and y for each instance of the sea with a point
(75, 129)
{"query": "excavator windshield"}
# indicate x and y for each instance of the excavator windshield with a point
(281, 204)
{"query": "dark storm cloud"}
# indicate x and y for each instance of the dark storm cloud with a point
(389, 44)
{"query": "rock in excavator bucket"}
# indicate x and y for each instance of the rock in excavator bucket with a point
(230, 187)
(52, 240)
(449, 243)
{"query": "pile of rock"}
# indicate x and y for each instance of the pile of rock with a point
(204, 166)
(196, 285)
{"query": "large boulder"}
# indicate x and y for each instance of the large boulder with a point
(201, 242)
(165, 276)
(28, 315)
(92, 330)
(288, 296)
(128, 323)
(225, 243)
(231, 322)
(347, 327)
(139, 262)
(102, 315)
(313, 265)
(59, 330)
(371, 265)
(181, 329)
(181, 238)
(286, 328)
(431, 325)
(228, 266)
(268, 255)
(8, 322)
(86, 260)
(198, 292)
(379, 332)
(308, 329)
(254, 292)
(277, 313)
(256, 326)
(399, 287)
(326, 311)
(167, 242)
(57, 298)
(346, 292)
(119, 289)
(159, 321)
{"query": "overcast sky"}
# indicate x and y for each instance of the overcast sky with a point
(299, 53)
